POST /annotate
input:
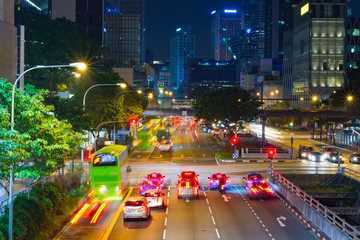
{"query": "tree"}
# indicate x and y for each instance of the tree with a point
(40, 143)
(231, 104)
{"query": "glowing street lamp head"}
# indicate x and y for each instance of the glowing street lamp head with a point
(150, 95)
(301, 99)
(272, 93)
(139, 91)
(349, 98)
(276, 91)
(79, 65)
(257, 94)
(170, 93)
(122, 85)
(161, 91)
(314, 98)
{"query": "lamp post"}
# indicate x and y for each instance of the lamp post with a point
(150, 96)
(80, 66)
(122, 85)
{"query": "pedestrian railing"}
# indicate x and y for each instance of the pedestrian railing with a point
(327, 213)
(307, 169)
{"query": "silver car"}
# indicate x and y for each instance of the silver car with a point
(155, 198)
(136, 207)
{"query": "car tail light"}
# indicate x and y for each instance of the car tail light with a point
(227, 180)
(249, 181)
(269, 190)
(254, 190)
(157, 187)
(161, 179)
(261, 187)
(159, 199)
(180, 178)
(142, 208)
(141, 187)
(212, 181)
(179, 191)
(255, 178)
(196, 190)
(187, 184)
(262, 181)
(150, 182)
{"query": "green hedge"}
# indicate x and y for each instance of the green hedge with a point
(224, 155)
(43, 213)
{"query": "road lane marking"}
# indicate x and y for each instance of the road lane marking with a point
(167, 202)
(203, 155)
(212, 217)
(168, 188)
(204, 194)
(167, 211)
(168, 194)
(164, 234)
(217, 233)
(207, 201)
(210, 210)
(165, 221)
(187, 200)
(117, 214)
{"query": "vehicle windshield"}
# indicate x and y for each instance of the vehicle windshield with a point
(307, 149)
(151, 194)
(104, 160)
(217, 176)
(134, 203)
(154, 175)
(255, 177)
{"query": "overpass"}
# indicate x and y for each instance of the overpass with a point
(262, 113)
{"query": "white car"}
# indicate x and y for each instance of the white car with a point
(137, 207)
(165, 145)
(155, 198)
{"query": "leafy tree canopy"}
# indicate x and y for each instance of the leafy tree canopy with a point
(230, 104)
(40, 143)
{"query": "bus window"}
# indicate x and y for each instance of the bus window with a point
(104, 159)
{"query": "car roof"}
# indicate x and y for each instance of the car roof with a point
(138, 198)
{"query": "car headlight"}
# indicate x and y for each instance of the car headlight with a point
(303, 154)
(322, 158)
(355, 158)
(333, 158)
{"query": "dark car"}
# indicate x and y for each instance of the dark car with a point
(188, 176)
(259, 189)
(354, 158)
(214, 181)
(304, 151)
(316, 157)
(332, 157)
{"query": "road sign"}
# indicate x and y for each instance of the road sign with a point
(184, 113)
(89, 147)
(235, 155)
(292, 134)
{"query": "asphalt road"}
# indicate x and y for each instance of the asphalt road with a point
(213, 216)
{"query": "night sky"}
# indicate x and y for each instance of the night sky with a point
(162, 17)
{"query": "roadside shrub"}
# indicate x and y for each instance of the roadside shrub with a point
(224, 155)
(72, 179)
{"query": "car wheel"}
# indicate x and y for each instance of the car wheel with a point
(179, 197)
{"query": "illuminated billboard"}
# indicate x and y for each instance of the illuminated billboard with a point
(305, 9)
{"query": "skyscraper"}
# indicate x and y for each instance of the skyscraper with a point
(7, 41)
(318, 47)
(278, 19)
(182, 47)
(254, 19)
(225, 24)
(132, 9)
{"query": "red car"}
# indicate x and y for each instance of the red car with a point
(188, 176)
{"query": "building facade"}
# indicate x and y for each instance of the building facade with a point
(225, 24)
(318, 47)
(8, 41)
(182, 48)
(206, 75)
(352, 44)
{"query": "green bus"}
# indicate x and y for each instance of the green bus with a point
(109, 172)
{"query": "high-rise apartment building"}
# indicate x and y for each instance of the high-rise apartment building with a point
(318, 47)
(8, 42)
(225, 24)
(182, 48)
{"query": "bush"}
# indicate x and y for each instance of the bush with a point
(72, 179)
(224, 155)
(40, 215)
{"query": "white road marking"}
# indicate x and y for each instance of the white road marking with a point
(217, 233)
(168, 202)
(203, 155)
(210, 210)
(139, 156)
(207, 201)
(199, 146)
(266, 230)
(168, 194)
(212, 217)
(167, 211)
(204, 194)
(187, 200)
(165, 221)
(164, 235)
(168, 188)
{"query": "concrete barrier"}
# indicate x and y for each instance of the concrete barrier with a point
(310, 213)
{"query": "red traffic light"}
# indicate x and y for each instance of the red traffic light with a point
(133, 120)
(234, 140)
(271, 153)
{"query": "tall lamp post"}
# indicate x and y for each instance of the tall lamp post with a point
(80, 66)
(122, 85)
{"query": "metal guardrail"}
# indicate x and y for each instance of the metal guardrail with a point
(327, 213)
(308, 170)
(350, 173)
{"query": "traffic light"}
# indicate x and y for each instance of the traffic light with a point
(271, 153)
(133, 120)
(234, 140)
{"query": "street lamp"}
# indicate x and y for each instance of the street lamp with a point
(314, 98)
(80, 66)
(150, 96)
(349, 98)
